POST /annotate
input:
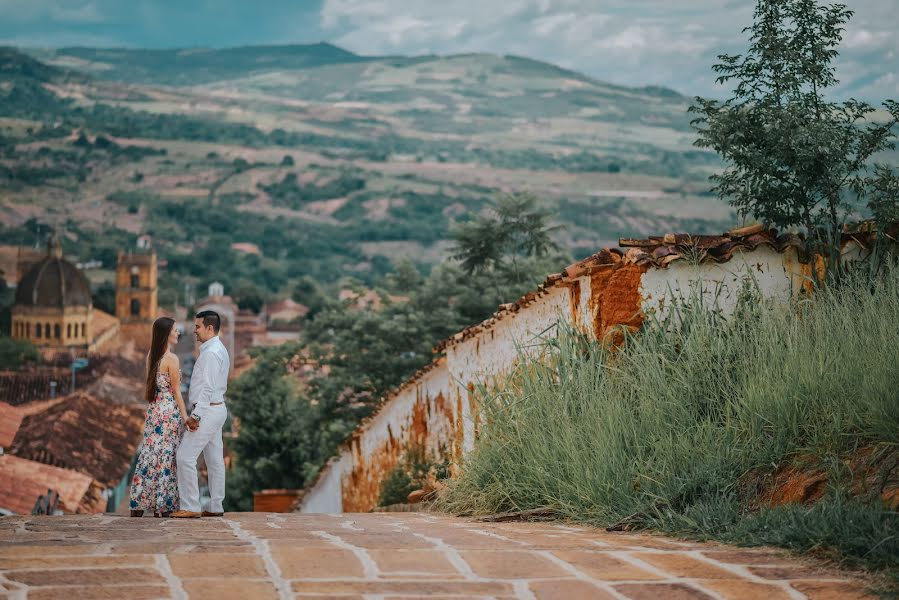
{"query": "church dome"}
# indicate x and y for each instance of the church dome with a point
(54, 282)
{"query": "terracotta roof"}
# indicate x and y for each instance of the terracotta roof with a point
(102, 322)
(21, 387)
(10, 419)
(84, 434)
(288, 305)
(22, 481)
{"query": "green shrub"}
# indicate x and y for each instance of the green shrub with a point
(14, 354)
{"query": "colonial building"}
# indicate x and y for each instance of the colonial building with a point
(53, 305)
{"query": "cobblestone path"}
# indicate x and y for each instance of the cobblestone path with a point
(381, 556)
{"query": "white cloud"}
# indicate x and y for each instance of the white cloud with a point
(636, 42)
(55, 11)
(57, 40)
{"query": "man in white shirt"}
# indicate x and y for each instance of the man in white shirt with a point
(208, 383)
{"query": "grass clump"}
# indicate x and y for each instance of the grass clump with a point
(682, 427)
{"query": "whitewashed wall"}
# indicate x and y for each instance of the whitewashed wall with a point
(325, 496)
(492, 352)
(776, 276)
(422, 412)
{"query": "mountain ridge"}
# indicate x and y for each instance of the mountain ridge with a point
(312, 55)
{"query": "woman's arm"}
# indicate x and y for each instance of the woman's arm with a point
(175, 378)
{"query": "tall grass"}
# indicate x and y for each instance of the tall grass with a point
(667, 430)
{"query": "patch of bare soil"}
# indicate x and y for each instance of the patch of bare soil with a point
(869, 473)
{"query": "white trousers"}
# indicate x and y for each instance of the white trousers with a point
(208, 440)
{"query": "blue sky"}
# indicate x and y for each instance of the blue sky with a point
(629, 42)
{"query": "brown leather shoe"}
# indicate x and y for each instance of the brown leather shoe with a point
(185, 514)
(206, 513)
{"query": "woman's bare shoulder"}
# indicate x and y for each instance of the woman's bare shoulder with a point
(170, 359)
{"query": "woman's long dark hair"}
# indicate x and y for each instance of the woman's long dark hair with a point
(162, 327)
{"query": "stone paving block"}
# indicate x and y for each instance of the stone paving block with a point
(217, 565)
(294, 536)
(316, 563)
(599, 565)
(660, 591)
(131, 592)
(461, 539)
(511, 564)
(62, 562)
(684, 566)
(204, 589)
(543, 540)
(833, 590)
(85, 577)
(137, 535)
(214, 548)
(23, 550)
(374, 541)
(432, 562)
(741, 589)
(307, 541)
(427, 587)
(567, 589)
(748, 556)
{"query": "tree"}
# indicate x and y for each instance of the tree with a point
(14, 354)
(248, 297)
(275, 440)
(104, 297)
(513, 229)
(308, 292)
(794, 158)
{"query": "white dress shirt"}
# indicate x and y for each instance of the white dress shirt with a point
(209, 379)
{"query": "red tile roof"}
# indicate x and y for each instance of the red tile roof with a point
(291, 307)
(84, 434)
(102, 322)
(10, 419)
(23, 481)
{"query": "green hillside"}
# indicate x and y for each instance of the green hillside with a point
(332, 164)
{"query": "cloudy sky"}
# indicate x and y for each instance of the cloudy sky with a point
(630, 42)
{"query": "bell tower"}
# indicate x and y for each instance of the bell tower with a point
(136, 295)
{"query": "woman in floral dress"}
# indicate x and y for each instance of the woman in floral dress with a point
(154, 487)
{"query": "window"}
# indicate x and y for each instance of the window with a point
(83, 334)
(68, 330)
(38, 330)
(47, 330)
(56, 331)
(135, 281)
(135, 307)
(27, 329)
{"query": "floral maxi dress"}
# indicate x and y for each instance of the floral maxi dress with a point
(154, 486)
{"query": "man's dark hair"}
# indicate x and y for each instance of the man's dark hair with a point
(210, 317)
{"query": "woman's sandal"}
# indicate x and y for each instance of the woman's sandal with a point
(137, 513)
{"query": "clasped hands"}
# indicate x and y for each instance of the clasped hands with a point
(191, 423)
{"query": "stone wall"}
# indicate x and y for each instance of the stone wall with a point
(607, 291)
